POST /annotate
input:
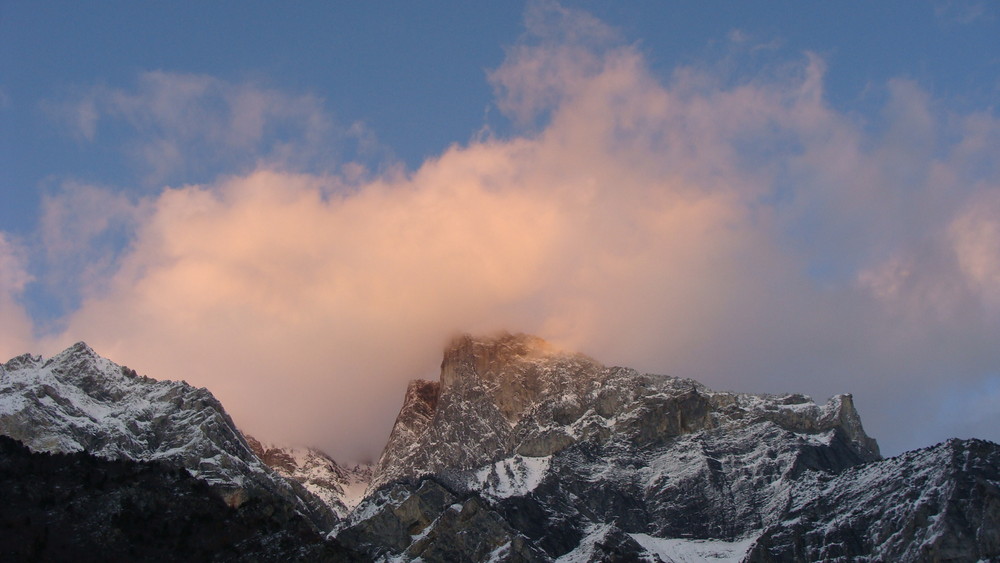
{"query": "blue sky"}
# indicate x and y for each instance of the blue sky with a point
(768, 196)
(415, 74)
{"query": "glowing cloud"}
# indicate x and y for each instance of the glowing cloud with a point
(740, 232)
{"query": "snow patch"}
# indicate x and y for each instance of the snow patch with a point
(512, 477)
(682, 550)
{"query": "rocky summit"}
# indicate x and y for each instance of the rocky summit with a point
(523, 452)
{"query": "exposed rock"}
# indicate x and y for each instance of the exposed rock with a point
(516, 394)
(427, 521)
(605, 543)
(935, 504)
(387, 521)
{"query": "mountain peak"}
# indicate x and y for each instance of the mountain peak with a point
(516, 394)
(78, 350)
(491, 359)
(80, 358)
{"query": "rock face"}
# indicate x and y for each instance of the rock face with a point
(935, 504)
(517, 396)
(78, 507)
(79, 401)
(573, 460)
(341, 488)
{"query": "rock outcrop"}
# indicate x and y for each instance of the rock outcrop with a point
(518, 396)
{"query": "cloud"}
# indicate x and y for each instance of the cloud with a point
(84, 231)
(963, 12)
(16, 327)
(741, 232)
(975, 235)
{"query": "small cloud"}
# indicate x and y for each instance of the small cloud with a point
(964, 12)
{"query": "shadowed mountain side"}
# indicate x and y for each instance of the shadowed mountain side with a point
(77, 507)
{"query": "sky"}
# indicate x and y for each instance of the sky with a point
(298, 204)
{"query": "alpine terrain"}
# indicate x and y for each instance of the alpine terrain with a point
(522, 452)
(519, 452)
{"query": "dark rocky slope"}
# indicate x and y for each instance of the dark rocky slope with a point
(78, 507)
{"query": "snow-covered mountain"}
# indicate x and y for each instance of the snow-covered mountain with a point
(514, 398)
(519, 452)
(79, 401)
(341, 488)
(523, 452)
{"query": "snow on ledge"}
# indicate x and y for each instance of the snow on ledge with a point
(682, 550)
(512, 477)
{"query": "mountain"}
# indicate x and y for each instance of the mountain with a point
(79, 401)
(523, 452)
(341, 488)
(518, 452)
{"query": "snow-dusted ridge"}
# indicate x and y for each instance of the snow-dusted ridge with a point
(80, 401)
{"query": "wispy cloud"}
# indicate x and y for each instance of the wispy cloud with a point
(964, 12)
(177, 126)
(85, 230)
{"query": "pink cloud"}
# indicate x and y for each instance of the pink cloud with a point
(671, 225)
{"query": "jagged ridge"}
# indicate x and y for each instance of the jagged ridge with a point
(522, 452)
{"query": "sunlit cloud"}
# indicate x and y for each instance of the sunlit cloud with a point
(739, 231)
